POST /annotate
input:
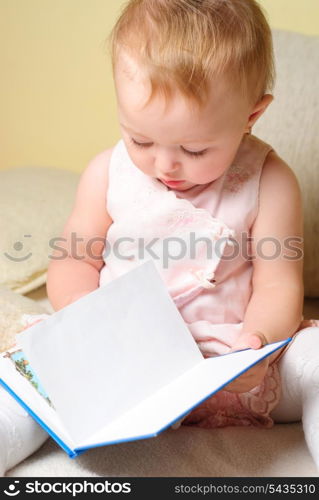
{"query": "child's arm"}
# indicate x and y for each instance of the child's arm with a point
(276, 304)
(275, 308)
(77, 272)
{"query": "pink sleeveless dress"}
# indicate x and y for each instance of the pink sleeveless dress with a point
(210, 288)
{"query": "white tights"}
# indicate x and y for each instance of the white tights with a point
(20, 435)
(299, 371)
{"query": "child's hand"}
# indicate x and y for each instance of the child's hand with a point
(253, 377)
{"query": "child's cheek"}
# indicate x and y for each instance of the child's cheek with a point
(141, 159)
(211, 169)
(200, 171)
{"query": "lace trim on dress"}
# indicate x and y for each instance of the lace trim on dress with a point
(232, 409)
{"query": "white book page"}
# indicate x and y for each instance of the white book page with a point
(179, 397)
(32, 398)
(107, 352)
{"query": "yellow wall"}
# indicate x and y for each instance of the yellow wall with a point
(57, 103)
(293, 15)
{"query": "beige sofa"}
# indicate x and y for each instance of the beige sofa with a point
(291, 126)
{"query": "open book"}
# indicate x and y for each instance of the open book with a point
(117, 365)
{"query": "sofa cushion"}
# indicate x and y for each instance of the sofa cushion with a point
(12, 307)
(291, 126)
(34, 205)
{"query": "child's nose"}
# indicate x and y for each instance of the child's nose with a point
(166, 162)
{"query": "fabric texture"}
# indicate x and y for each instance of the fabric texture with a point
(299, 370)
(34, 205)
(291, 126)
(12, 307)
(211, 287)
(20, 434)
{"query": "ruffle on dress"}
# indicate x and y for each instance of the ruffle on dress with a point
(186, 243)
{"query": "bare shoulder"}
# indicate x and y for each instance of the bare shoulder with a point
(277, 174)
(280, 199)
(89, 220)
(92, 190)
(280, 212)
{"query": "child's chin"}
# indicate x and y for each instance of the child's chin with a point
(185, 186)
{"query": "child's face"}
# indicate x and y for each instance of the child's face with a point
(178, 143)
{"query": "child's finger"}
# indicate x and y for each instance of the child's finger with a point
(254, 340)
(257, 340)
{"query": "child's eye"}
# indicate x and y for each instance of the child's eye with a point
(194, 153)
(141, 144)
(149, 144)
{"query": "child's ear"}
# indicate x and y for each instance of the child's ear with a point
(259, 109)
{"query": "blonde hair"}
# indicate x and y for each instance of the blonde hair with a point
(184, 44)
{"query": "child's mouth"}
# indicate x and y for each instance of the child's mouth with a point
(171, 183)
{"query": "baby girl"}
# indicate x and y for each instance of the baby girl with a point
(192, 77)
